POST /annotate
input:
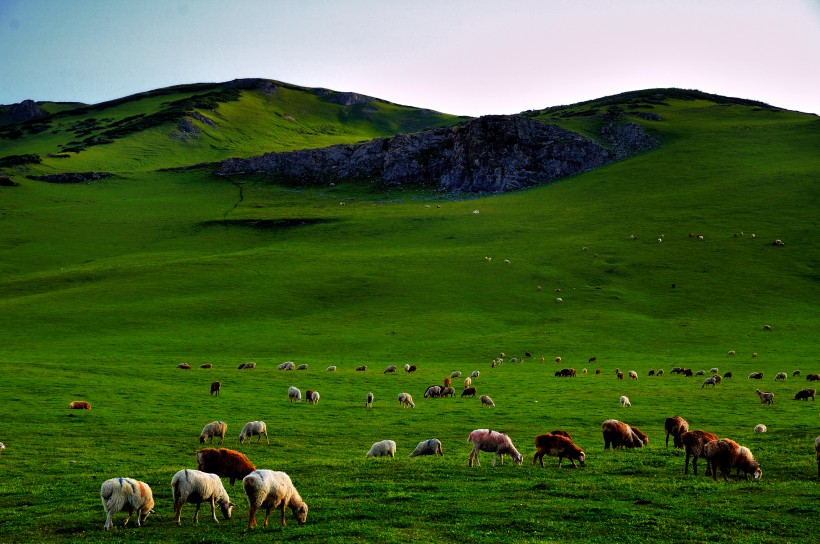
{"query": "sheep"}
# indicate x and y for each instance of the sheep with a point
(390, 369)
(447, 381)
(813, 378)
(559, 300)
(709, 381)
(287, 365)
(294, 394)
(754, 355)
(687, 372)
(79, 405)
(765, 398)
(184, 366)
(694, 442)
(129, 496)
(368, 403)
(475, 374)
(448, 392)
(755, 376)
(361, 368)
(247, 366)
(212, 430)
(619, 374)
(494, 442)
(272, 489)
(780, 376)
(713, 370)
(468, 392)
(486, 401)
(468, 382)
(331, 368)
(196, 487)
(767, 327)
(216, 387)
(795, 373)
(725, 454)
(557, 359)
(406, 400)
(410, 368)
(660, 372)
(566, 373)
(303, 366)
(224, 462)
(385, 448)
(731, 353)
(817, 454)
(675, 426)
(760, 428)
(625, 402)
(700, 373)
(2, 446)
(727, 375)
(557, 446)
(651, 373)
(592, 360)
(313, 398)
(206, 365)
(633, 374)
(254, 428)
(433, 391)
(455, 374)
(806, 394)
(621, 435)
(428, 447)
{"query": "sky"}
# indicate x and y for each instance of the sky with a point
(471, 57)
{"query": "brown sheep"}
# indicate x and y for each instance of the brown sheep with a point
(557, 446)
(79, 405)
(206, 365)
(447, 381)
(765, 398)
(813, 378)
(621, 435)
(726, 454)
(216, 387)
(184, 366)
(619, 374)
(468, 392)
(224, 462)
(806, 394)
(675, 426)
(727, 375)
(693, 442)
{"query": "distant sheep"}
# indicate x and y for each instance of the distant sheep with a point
(675, 426)
(767, 327)
(765, 398)
(216, 387)
(455, 374)
(619, 374)
(448, 392)
(434, 391)
(254, 428)
(368, 403)
(780, 376)
(272, 489)
(468, 382)
(361, 368)
(557, 359)
(247, 366)
(331, 368)
(726, 454)
(700, 373)
(206, 365)
(212, 430)
(447, 381)
(813, 378)
(694, 442)
(754, 355)
(620, 435)
(713, 370)
(303, 366)
(731, 353)
(428, 447)
(385, 448)
(651, 373)
(625, 402)
(795, 373)
(709, 381)
(660, 372)
(493, 442)
(410, 368)
(487, 401)
(760, 428)
(224, 462)
(475, 374)
(633, 374)
(390, 369)
(727, 375)
(566, 373)
(468, 392)
(294, 394)
(184, 366)
(287, 365)
(756, 376)
(126, 495)
(406, 401)
(313, 398)
(196, 487)
(806, 394)
(557, 446)
(79, 405)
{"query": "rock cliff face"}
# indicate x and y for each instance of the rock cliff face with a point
(489, 154)
(23, 111)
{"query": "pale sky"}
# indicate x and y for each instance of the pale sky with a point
(470, 57)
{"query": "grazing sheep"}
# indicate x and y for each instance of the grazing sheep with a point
(224, 462)
(247, 366)
(633, 374)
(494, 442)
(559, 300)
(184, 366)
(795, 373)
(557, 359)
(597, 371)
(780, 376)
(687, 372)
(475, 374)
(447, 381)
(294, 394)
(455, 374)
(390, 369)
(813, 378)
(713, 370)
(331, 368)
(216, 387)
(817, 454)
(272, 489)
(726, 454)
(468, 392)
(385, 448)
(731, 353)
(727, 375)
(486, 401)
(619, 374)
(126, 495)
(368, 403)
(433, 391)
(767, 327)
(765, 398)
(621, 435)
(693, 442)
(79, 405)
(468, 382)
(313, 398)
(700, 373)
(756, 376)
(303, 366)
(196, 487)
(660, 372)
(754, 355)
(212, 430)
(287, 365)
(592, 360)
(625, 402)
(709, 381)
(361, 368)
(557, 446)
(206, 365)
(428, 447)
(760, 428)
(254, 428)
(583, 371)
(406, 400)
(448, 392)
(566, 373)
(806, 394)
(675, 426)
(651, 373)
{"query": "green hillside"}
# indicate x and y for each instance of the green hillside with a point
(106, 286)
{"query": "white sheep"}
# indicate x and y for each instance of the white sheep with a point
(780, 376)
(272, 489)
(407, 367)
(487, 401)
(294, 394)
(254, 428)
(406, 400)
(760, 428)
(625, 402)
(468, 382)
(126, 495)
(212, 430)
(709, 381)
(428, 447)
(2, 446)
(714, 370)
(314, 397)
(303, 366)
(385, 448)
(475, 374)
(559, 300)
(197, 487)
(455, 374)
(390, 369)
(331, 368)
(633, 374)
(287, 365)
(368, 403)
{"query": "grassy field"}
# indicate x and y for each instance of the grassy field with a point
(106, 287)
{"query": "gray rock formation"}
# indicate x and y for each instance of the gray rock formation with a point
(489, 154)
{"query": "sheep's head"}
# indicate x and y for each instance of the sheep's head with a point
(227, 508)
(758, 472)
(517, 458)
(581, 458)
(301, 513)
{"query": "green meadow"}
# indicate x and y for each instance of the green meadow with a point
(107, 286)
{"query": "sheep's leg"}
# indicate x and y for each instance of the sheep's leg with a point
(178, 504)
(267, 514)
(196, 512)
(109, 518)
(213, 510)
(221, 438)
(252, 516)
(282, 508)
(127, 517)
(267, 439)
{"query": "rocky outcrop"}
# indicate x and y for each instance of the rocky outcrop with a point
(72, 177)
(23, 111)
(488, 154)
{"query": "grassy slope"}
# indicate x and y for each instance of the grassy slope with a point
(106, 287)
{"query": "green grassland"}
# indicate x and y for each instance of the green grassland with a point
(106, 286)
